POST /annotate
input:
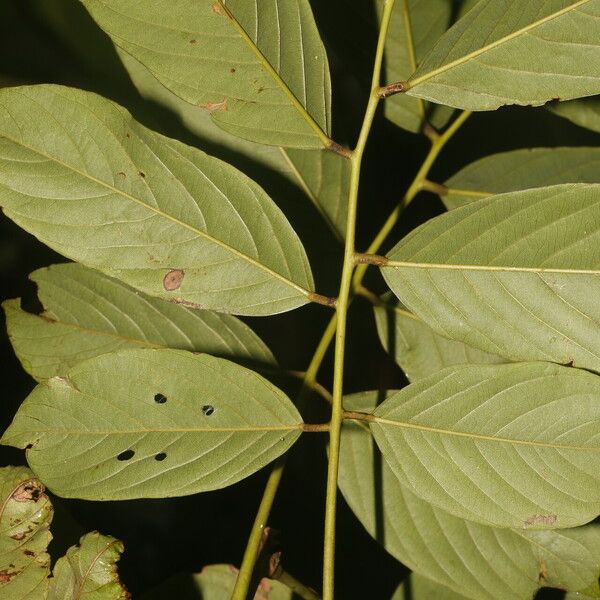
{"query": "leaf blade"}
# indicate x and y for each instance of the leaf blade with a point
(87, 314)
(513, 52)
(482, 442)
(231, 250)
(510, 274)
(476, 560)
(250, 76)
(160, 423)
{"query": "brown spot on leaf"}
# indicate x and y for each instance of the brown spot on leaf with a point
(6, 575)
(31, 489)
(261, 89)
(122, 174)
(193, 42)
(540, 520)
(128, 135)
(18, 536)
(212, 106)
(28, 553)
(142, 174)
(232, 70)
(216, 8)
(542, 570)
(172, 280)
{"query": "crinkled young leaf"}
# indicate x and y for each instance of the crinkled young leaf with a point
(25, 517)
(584, 112)
(322, 175)
(260, 68)
(520, 170)
(481, 562)
(152, 423)
(89, 571)
(417, 348)
(515, 274)
(84, 177)
(512, 445)
(514, 52)
(87, 314)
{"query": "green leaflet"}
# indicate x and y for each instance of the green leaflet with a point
(244, 62)
(505, 445)
(584, 112)
(216, 582)
(417, 348)
(515, 274)
(481, 562)
(87, 314)
(85, 178)
(152, 423)
(322, 175)
(519, 170)
(89, 571)
(25, 517)
(428, 20)
(514, 52)
(418, 587)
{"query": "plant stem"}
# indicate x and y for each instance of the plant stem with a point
(415, 187)
(342, 304)
(245, 575)
(244, 579)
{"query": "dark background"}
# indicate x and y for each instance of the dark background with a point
(54, 41)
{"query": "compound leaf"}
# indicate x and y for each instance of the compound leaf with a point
(506, 445)
(152, 423)
(244, 62)
(514, 52)
(515, 274)
(85, 178)
(87, 313)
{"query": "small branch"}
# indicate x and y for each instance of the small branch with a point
(430, 132)
(373, 298)
(314, 385)
(338, 149)
(437, 188)
(315, 427)
(370, 259)
(390, 90)
(324, 300)
(296, 586)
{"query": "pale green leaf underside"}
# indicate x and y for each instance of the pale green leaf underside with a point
(514, 52)
(79, 173)
(516, 274)
(87, 314)
(512, 445)
(584, 112)
(482, 562)
(417, 348)
(520, 170)
(418, 587)
(89, 571)
(321, 174)
(25, 517)
(213, 424)
(429, 19)
(260, 67)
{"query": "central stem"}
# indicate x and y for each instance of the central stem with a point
(337, 413)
